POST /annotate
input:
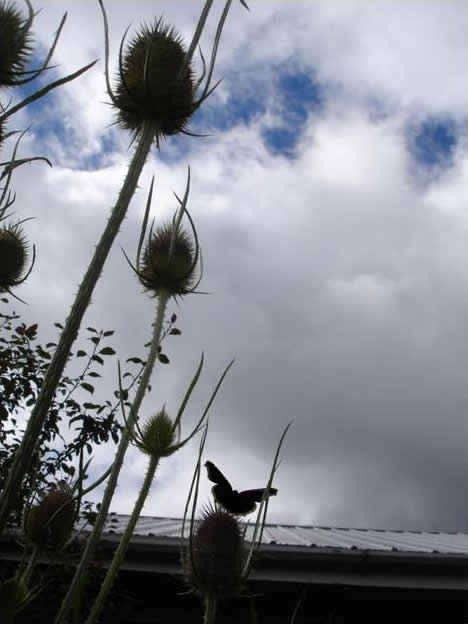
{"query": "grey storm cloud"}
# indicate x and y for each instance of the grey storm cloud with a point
(335, 279)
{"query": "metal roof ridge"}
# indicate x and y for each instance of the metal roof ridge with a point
(286, 526)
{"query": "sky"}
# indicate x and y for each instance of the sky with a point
(329, 202)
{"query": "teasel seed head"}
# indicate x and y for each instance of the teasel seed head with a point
(15, 43)
(169, 262)
(50, 522)
(158, 436)
(214, 568)
(14, 256)
(153, 84)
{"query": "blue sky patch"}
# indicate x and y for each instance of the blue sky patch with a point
(288, 95)
(297, 94)
(432, 141)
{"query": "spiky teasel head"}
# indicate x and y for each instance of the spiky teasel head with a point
(14, 256)
(169, 262)
(158, 436)
(214, 565)
(15, 43)
(50, 522)
(154, 84)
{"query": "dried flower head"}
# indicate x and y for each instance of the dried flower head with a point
(50, 522)
(14, 256)
(215, 565)
(169, 262)
(154, 84)
(15, 43)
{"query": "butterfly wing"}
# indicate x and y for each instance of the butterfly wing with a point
(242, 503)
(215, 475)
(257, 495)
(238, 503)
(222, 491)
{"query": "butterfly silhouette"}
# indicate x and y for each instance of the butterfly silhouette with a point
(238, 503)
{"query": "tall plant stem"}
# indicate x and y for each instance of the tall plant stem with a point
(210, 610)
(122, 548)
(25, 452)
(79, 578)
(26, 575)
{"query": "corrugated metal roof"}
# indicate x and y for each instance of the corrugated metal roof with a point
(318, 537)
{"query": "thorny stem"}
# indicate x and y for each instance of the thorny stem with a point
(210, 610)
(54, 372)
(30, 567)
(79, 578)
(122, 548)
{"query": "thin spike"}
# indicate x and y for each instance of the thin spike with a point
(121, 71)
(144, 224)
(196, 37)
(202, 76)
(46, 89)
(190, 389)
(214, 52)
(37, 72)
(199, 102)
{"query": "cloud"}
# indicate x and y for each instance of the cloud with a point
(337, 278)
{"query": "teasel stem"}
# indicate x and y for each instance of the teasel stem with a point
(210, 610)
(31, 564)
(79, 578)
(39, 413)
(119, 554)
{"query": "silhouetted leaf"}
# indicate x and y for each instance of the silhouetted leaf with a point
(94, 339)
(107, 351)
(94, 374)
(31, 331)
(135, 360)
(175, 332)
(98, 359)
(110, 332)
(81, 353)
(163, 358)
(173, 318)
(88, 387)
(59, 325)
